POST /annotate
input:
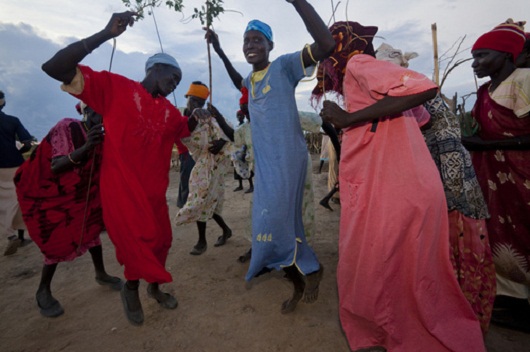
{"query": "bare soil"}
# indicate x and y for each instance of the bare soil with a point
(217, 311)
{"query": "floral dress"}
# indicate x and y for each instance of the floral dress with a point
(206, 196)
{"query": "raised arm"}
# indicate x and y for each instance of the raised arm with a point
(324, 43)
(387, 106)
(333, 136)
(227, 130)
(212, 38)
(62, 66)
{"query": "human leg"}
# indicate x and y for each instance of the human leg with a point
(186, 165)
(296, 278)
(312, 283)
(102, 277)
(250, 186)
(131, 302)
(227, 232)
(239, 179)
(201, 245)
(23, 241)
(164, 299)
(48, 305)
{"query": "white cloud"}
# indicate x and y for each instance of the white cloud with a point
(31, 31)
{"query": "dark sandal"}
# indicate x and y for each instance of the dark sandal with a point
(198, 250)
(113, 282)
(221, 240)
(169, 302)
(53, 310)
(245, 257)
(135, 317)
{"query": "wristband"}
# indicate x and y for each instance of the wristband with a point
(72, 160)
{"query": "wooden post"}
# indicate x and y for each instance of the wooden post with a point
(435, 49)
(209, 55)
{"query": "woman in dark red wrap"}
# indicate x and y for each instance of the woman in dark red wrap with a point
(501, 157)
(58, 192)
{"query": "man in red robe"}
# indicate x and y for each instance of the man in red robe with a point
(141, 126)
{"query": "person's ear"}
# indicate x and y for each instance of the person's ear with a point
(271, 45)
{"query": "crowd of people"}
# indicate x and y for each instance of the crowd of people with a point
(434, 230)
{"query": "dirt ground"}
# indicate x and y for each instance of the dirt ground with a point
(217, 312)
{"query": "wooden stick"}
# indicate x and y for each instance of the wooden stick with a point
(435, 48)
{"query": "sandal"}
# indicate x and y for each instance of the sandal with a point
(135, 317)
(198, 250)
(168, 302)
(221, 240)
(52, 310)
(113, 282)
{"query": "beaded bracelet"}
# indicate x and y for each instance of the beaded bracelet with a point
(72, 160)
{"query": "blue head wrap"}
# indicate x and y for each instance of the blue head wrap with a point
(257, 25)
(161, 58)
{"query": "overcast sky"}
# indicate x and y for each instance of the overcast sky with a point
(31, 31)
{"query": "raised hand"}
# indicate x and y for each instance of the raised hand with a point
(216, 146)
(200, 114)
(94, 137)
(119, 21)
(212, 38)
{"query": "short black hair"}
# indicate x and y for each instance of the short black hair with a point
(199, 82)
(2, 94)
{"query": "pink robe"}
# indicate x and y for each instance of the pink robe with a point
(396, 284)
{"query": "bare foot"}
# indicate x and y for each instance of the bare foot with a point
(312, 285)
(289, 305)
(296, 278)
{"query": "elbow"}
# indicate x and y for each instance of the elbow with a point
(431, 93)
(46, 68)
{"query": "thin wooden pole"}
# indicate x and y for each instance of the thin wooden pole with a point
(435, 49)
(209, 56)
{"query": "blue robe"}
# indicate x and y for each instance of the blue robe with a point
(280, 154)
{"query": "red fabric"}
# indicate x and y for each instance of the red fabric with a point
(473, 264)
(139, 135)
(503, 176)
(507, 38)
(182, 149)
(244, 96)
(54, 206)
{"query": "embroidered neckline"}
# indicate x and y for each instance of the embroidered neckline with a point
(258, 76)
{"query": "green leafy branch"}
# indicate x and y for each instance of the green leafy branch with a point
(206, 13)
